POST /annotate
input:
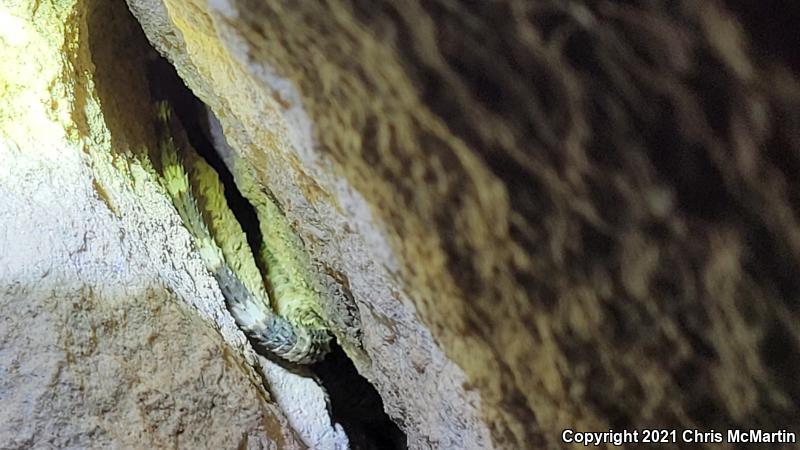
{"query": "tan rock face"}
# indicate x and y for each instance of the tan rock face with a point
(89, 368)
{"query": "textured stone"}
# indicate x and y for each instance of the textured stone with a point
(94, 366)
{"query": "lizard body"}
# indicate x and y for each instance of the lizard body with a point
(298, 334)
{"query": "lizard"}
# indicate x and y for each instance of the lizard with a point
(298, 335)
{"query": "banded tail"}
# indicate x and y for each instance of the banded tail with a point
(246, 298)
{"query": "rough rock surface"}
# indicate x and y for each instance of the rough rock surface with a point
(113, 333)
(592, 206)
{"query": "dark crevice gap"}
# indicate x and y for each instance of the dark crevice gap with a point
(354, 402)
(356, 405)
(772, 28)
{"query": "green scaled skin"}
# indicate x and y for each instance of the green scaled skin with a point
(293, 292)
(297, 333)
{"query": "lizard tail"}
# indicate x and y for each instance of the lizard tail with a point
(270, 331)
(176, 181)
(247, 301)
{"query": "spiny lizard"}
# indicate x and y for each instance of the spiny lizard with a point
(299, 335)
